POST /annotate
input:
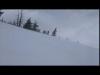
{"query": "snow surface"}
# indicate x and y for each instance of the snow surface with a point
(24, 47)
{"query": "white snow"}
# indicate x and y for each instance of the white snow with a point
(24, 47)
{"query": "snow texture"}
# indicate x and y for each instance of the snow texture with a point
(19, 46)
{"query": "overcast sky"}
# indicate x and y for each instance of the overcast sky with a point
(81, 25)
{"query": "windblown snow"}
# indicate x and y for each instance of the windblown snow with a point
(19, 46)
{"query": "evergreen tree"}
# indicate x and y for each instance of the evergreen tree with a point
(47, 32)
(1, 13)
(35, 26)
(54, 32)
(44, 32)
(28, 24)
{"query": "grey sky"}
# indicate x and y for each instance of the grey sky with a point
(81, 25)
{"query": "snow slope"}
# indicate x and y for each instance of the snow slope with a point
(24, 47)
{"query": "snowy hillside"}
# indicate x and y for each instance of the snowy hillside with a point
(24, 47)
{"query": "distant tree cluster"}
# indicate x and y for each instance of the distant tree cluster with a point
(31, 26)
(46, 32)
(35, 27)
(28, 24)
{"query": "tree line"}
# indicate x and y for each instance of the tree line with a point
(28, 24)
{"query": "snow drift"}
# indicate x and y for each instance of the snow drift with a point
(24, 47)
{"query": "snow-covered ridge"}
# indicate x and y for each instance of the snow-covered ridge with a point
(24, 47)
